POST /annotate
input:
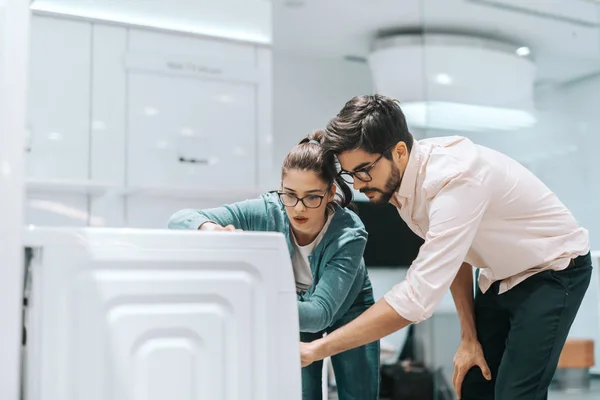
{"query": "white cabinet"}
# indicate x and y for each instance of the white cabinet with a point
(122, 115)
(192, 112)
(191, 132)
(108, 104)
(58, 121)
(59, 99)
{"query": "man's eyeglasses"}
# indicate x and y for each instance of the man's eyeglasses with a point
(310, 201)
(362, 174)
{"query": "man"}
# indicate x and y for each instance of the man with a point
(474, 207)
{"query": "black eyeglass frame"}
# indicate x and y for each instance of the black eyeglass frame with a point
(348, 176)
(320, 196)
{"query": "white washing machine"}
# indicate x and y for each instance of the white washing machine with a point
(122, 314)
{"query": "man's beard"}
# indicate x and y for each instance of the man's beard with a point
(391, 186)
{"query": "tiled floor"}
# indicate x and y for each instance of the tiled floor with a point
(593, 394)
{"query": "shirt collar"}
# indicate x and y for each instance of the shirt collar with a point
(409, 179)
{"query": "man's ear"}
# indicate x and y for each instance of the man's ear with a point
(332, 193)
(399, 151)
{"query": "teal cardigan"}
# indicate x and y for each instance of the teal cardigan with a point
(341, 287)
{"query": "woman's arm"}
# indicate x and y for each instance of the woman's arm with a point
(247, 215)
(316, 311)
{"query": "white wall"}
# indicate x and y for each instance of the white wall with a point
(581, 102)
(14, 27)
(572, 170)
(308, 93)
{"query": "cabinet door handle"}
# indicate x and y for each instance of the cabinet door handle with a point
(193, 160)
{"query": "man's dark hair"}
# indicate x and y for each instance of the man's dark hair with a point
(373, 123)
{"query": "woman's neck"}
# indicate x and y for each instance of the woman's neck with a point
(303, 239)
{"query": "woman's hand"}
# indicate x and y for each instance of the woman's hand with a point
(308, 353)
(211, 226)
(468, 355)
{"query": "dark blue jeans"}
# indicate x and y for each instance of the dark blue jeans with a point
(356, 371)
(523, 331)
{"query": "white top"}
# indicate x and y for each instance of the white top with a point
(471, 203)
(300, 263)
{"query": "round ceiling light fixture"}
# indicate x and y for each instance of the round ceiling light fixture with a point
(523, 51)
(455, 82)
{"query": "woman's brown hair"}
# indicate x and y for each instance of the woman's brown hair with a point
(308, 155)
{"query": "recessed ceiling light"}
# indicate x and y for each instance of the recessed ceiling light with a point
(188, 132)
(150, 111)
(443, 79)
(523, 51)
(55, 136)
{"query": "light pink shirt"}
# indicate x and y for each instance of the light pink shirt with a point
(473, 204)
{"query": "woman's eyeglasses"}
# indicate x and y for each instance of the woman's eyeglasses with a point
(310, 201)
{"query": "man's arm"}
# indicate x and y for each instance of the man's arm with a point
(378, 321)
(381, 320)
(469, 353)
(462, 293)
(454, 216)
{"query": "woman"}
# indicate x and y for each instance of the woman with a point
(326, 242)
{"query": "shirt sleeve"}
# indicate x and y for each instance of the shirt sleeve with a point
(454, 217)
(248, 215)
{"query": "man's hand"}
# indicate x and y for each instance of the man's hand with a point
(211, 226)
(468, 355)
(376, 322)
